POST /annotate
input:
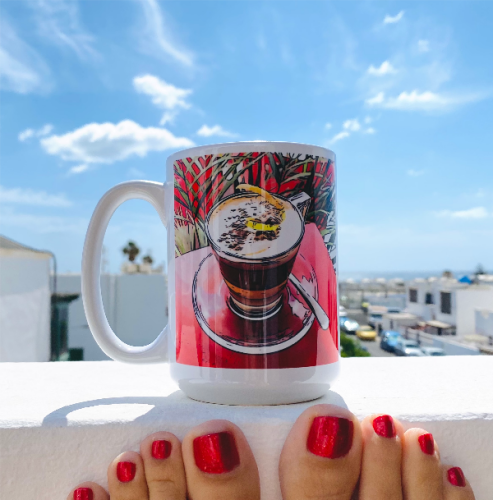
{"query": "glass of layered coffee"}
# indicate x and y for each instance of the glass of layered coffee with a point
(255, 236)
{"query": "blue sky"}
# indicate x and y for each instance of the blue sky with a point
(96, 93)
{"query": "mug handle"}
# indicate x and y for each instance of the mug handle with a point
(156, 351)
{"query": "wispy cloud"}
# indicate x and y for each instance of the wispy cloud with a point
(110, 142)
(20, 196)
(29, 132)
(328, 126)
(384, 69)
(415, 173)
(206, 131)
(393, 19)
(156, 35)
(351, 125)
(422, 101)
(339, 136)
(369, 130)
(423, 45)
(58, 21)
(472, 213)
(22, 69)
(78, 169)
(164, 95)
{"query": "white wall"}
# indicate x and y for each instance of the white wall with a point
(25, 308)
(468, 300)
(484, 322)
(450, 347)
(135, 305)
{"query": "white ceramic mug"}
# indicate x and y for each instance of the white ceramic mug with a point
(252, 286)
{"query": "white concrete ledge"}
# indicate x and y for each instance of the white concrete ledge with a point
(62, 423)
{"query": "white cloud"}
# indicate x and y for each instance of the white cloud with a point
(339, 136)
(78, 169)
(164, 95)
(368, 119)
(472, 213)
(384, 69)
(328, 126)
(206, 131)
(20, 196)
(29, 132)
(58, 21)
(423, 45)
(369, 130)
(395, 19)
(22, 70)
(109, 142)
(415, 173)
(351, 125)
(422, 101)
(156, 35)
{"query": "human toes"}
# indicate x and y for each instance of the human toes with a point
(126, 477)
(321, 457)
(219, 463)
(382, 453)
(421, 469)
(455, 484)
(163, 467)
(88, 491)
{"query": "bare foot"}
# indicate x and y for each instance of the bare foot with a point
(328, 454)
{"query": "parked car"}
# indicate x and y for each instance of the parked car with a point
(433, 351)
(366, 332)
(408, 348)
(348, 325)
(389, 340)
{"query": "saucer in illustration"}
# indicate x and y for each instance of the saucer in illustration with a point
(279, 331)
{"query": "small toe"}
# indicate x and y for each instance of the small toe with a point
(382, 455)
(219, 463)
(163, 465)
(421, 469)
(88, 491)
(455, 484)
(126, 477)
(321, 457)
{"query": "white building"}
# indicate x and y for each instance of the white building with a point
(135, 304)
(449, 302)
(25, 302)
(484, 323)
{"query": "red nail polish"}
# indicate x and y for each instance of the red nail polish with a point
(427, 444)
(456, 477)
(161, 449)
(216, 453)
(83, 494)
(384, 426)
(330, 437)
(125, 471)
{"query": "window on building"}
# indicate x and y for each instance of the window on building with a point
(429, 298)
(446, 302)
(413, 295)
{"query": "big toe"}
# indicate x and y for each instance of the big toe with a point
(322, 455)
(219, 463)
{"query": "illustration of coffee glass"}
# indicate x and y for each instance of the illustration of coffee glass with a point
(252, 284)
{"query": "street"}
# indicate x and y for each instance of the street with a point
(372, 346)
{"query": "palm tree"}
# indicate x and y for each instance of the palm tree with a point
(131, 250)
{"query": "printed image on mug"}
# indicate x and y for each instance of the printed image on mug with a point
(255, 249)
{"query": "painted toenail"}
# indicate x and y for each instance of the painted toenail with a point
(384, 426)
(427, 444)
(83, 494)
(216, 453)
(456, 477)
(330, 437)
(125, 471)
(161, 449)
